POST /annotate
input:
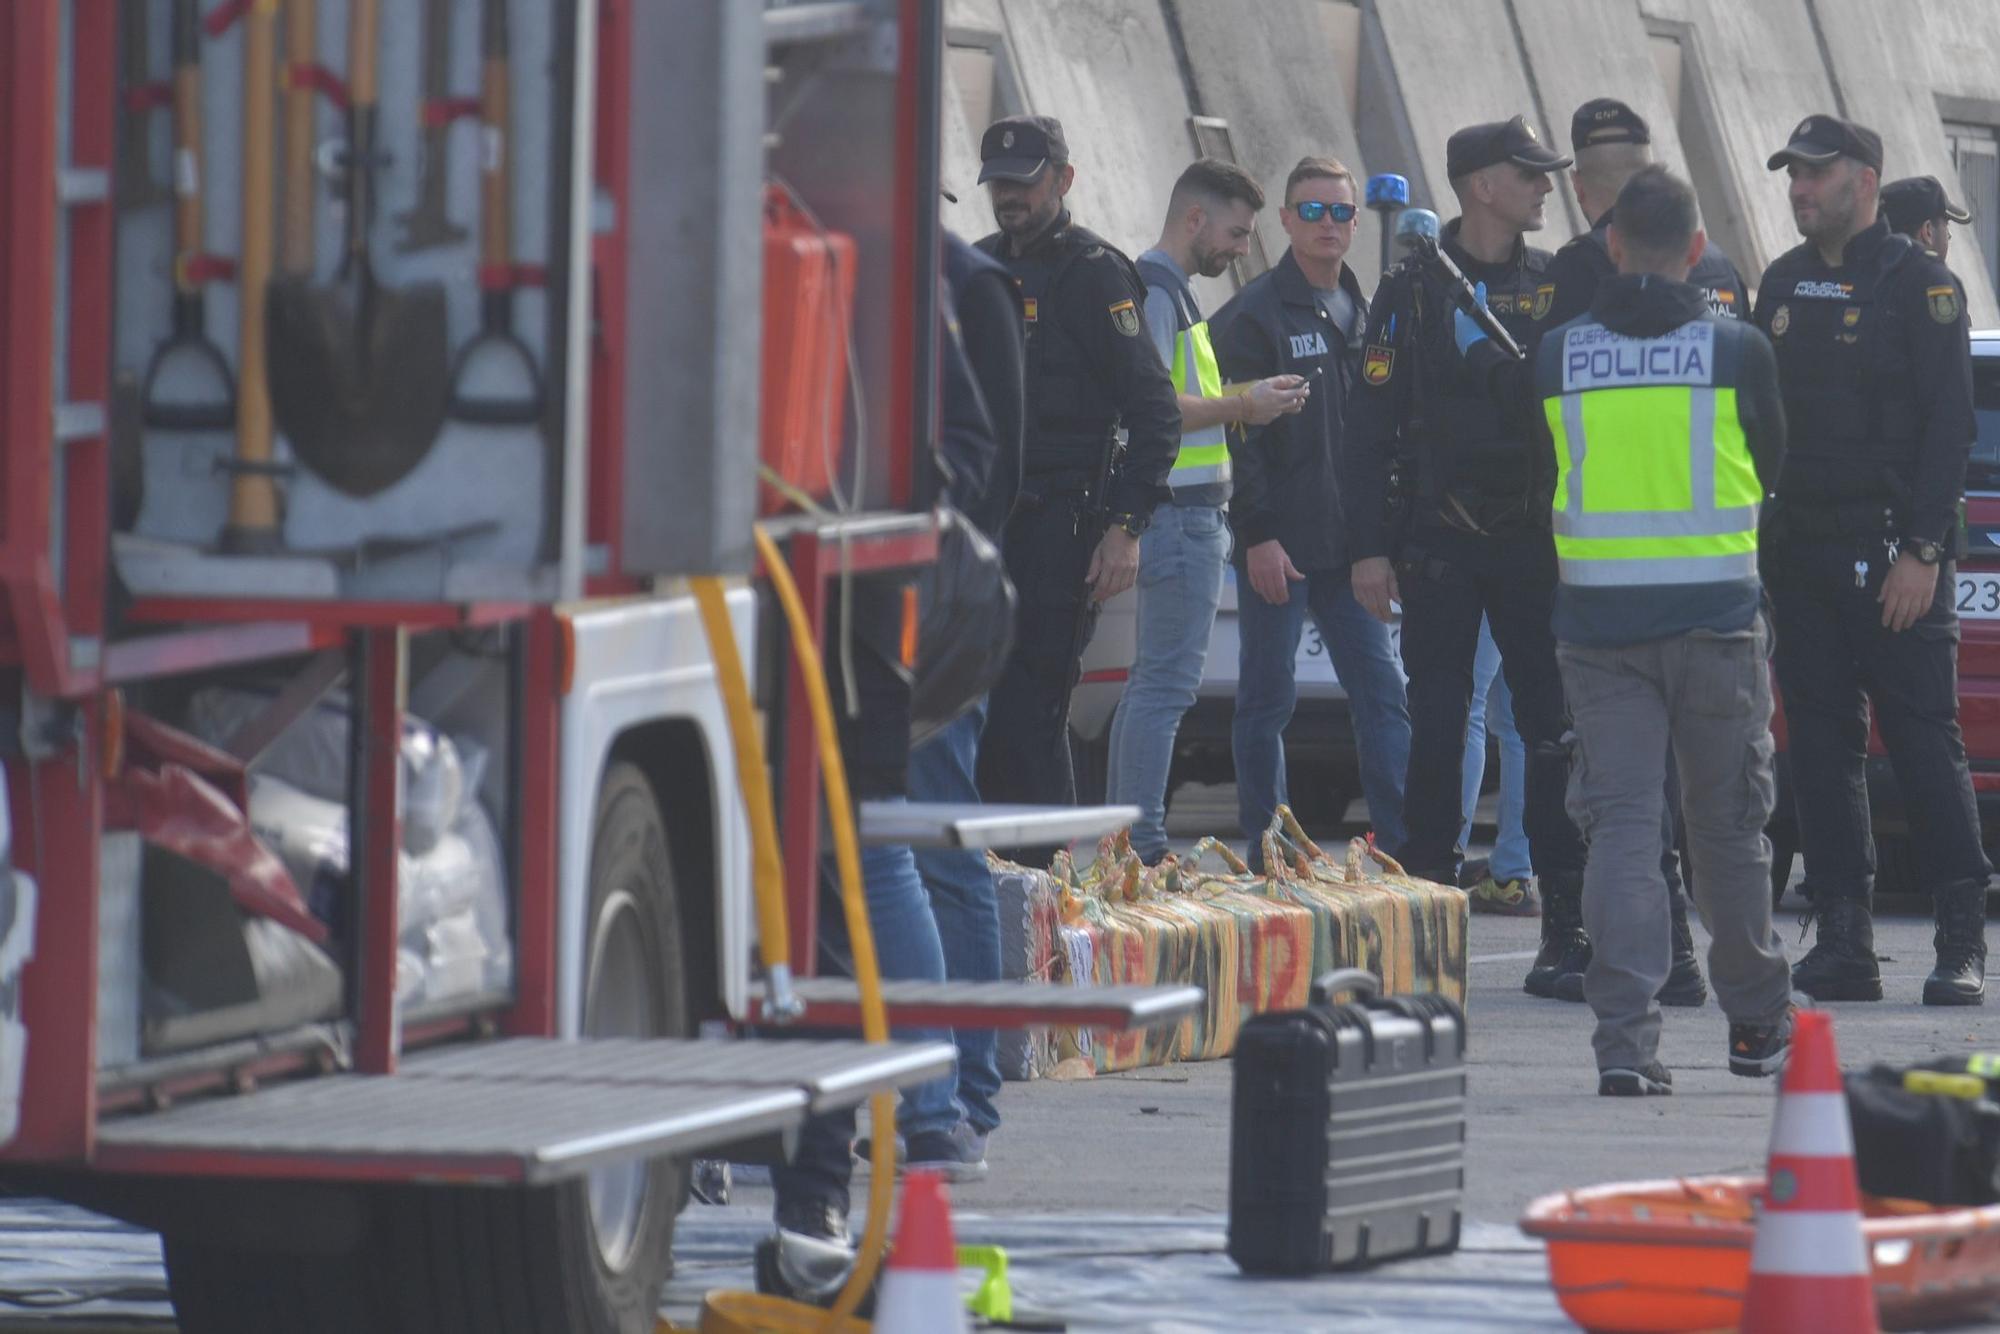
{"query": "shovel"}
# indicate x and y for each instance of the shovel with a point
(496, 355)
(253, 495)
(188, 385)
(358, 371)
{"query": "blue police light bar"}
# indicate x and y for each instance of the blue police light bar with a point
(1416, 222)
(1388, 191)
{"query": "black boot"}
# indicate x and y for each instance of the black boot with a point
(1960, 975)
(1841, 965)
(1557, 973)
(1684, 985)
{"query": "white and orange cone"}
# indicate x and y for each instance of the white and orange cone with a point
(1809, 1266)
(920, 1290)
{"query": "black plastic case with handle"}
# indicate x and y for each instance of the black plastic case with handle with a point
(1347, 1130)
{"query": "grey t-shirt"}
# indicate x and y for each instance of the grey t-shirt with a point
(1343, 310)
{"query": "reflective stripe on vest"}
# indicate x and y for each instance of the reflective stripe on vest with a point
(1655, 483)
(1204, 455)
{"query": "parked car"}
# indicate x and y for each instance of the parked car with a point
(1322, 773)
(1977, 597)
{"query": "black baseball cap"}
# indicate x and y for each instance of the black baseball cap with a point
(1606, 120)
(1821, 138)
(1514, 141)
(1016, 148)
(1915, 200)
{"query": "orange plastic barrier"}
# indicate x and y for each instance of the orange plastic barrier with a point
(808, 318)
(1659, 1256)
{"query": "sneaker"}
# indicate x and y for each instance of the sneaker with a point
(1505, 898)
(1757, 1050)
(1634, 1081)
(958, 1155)
(810, 1256)
(710, 1181)
(864, 1153)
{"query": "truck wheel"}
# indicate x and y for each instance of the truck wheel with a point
(221, 1290)
(635, 987)
(584, 1257)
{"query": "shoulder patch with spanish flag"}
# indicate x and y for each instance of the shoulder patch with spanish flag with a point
(1125, 318)
(1378, 364)
(1943, 303)
(1029, 308)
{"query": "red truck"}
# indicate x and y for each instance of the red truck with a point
(376, 842)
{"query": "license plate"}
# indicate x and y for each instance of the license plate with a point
(1979, 596)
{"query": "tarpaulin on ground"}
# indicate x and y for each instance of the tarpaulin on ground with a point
(1251, 942)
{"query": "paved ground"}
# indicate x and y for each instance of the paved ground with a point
(1157, 1141)
(1110, 1191)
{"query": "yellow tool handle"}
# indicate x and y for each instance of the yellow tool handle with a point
(1970, 1087)
(301, 108)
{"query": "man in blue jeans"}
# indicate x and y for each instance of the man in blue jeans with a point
(1505, 882)
(1210, 219)
(1304, 318)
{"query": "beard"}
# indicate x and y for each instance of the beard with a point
(1212, 263)
(1022, 221)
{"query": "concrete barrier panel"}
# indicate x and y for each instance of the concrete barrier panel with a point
(1272, 75)
(1457, 62)
(1761, 73)
(1581, 49)
(1889, 63)
(1106, 69)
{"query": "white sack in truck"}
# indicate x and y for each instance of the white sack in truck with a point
(311, 755)
(452, 900)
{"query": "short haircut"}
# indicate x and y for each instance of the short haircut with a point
(1316, 169)
(1611, 165)
(1213, 180)
(1656, 213)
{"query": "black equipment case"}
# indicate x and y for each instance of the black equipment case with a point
(1347, 1130)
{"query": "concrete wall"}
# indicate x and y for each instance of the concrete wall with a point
(1455, 63)
(1580, 51)
(1288, 82)
(1889, 63)
(1284, 96)
(1760, 66)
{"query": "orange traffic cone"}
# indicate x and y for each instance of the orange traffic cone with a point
(1809, 1265)
(920, 1289)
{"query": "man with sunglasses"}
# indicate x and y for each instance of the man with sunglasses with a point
(1304, 318)
(1073, 538)
(1448, 514)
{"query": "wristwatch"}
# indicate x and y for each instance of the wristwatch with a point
(1131, 523)
(1923, 549)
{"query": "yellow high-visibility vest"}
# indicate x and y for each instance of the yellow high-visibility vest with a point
(1655, 483)
(1204, 455)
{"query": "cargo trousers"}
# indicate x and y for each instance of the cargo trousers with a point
(1706, 697)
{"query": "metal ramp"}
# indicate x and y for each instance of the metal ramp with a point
(937, 824)
(837, 1001)
(525, 1111)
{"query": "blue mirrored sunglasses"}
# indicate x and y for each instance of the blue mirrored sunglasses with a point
(1312, 210)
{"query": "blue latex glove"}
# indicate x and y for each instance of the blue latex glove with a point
(1465, 330)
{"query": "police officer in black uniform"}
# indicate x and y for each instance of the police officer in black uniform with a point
(1073, 539)
(1447, 507)
(1876, 368)
(1918, 207)
(1612, 142)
